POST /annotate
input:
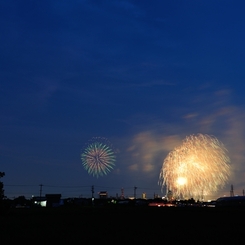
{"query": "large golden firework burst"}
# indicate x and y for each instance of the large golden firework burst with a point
(198, 167)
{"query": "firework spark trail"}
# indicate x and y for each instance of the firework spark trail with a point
(98, 158)
(200, 166)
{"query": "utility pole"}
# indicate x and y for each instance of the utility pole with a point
(40, 197)
(135, 188)
(92, 190)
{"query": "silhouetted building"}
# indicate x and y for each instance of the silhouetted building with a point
(53, 200)
(234, 201)
(103, 195)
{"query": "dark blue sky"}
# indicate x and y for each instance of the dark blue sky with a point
(144, 75)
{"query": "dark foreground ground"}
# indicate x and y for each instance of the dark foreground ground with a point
(114, 225)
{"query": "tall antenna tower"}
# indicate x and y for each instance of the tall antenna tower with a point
(232, 191)
(122, 193)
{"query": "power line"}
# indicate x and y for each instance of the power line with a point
(59, 186)
(19, 185)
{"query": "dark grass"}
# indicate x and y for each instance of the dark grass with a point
(122, 225)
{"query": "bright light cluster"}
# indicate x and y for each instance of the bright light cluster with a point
(198, 167)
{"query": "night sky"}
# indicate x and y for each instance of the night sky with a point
(142, 74)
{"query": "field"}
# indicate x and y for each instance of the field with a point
(122, 225)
